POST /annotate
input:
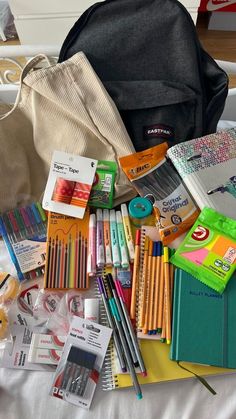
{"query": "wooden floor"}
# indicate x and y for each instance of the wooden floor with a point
(220, 45)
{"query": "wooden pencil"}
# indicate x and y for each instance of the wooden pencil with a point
(151, 289)
(148, 279)
(167, 295)
(157, 285)
(161, 298)
(144, 283)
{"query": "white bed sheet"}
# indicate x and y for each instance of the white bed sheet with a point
(24, 395)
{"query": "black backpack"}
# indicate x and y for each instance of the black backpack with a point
(148, 56)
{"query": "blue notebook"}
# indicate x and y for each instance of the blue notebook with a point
(204, 322)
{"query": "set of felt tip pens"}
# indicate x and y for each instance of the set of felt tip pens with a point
(66, 257)
(124, 336)
(24, 232)
(156, 285)
(110, 240)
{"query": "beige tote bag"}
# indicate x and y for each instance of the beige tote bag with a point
(62, 107)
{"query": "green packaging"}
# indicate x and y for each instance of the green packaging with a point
(102, 191)
(208, 252)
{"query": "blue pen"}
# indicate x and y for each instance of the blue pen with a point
(122, 241)
(114, 240)
(117, 320)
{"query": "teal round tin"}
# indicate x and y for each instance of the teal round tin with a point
(140, 211)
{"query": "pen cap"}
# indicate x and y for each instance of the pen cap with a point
(91, 309)
(166, 254)
(99, 214)
(106, 215)
(92, 220)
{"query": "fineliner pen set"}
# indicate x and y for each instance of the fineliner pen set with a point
(124, 336)
(24, 232)
(155, 287)
(110, 240)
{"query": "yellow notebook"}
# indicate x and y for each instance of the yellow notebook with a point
(155, 354)
(159, 368)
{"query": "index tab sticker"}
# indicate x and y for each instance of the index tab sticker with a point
(69, 184)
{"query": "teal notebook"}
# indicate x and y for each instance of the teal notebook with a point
(204, 322)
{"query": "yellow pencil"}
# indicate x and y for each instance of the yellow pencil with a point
(135, 276)
(144, 283)
(147, 287)
(167, 295)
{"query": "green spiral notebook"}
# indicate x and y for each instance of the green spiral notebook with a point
(204, 322)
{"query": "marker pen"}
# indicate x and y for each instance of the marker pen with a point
(128, 231)
(114, 240)
(100, 240)
(121, 241)
(107, 237)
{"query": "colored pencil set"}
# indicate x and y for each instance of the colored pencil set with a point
(67, 252)
(152, 286)
(24, 232)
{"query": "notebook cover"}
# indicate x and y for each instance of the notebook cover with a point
(207, 166)
(203, 322)
(159, 368)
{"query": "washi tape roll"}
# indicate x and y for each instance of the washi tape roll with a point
(81, 194)
(140, 211)
(63, 190)
(3, 323)
(9, 288)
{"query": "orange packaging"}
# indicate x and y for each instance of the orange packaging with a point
(67, 252)
(155, 178)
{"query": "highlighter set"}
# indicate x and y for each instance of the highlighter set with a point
(110, 240)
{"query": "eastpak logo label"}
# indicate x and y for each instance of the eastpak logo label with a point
(158, 131)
